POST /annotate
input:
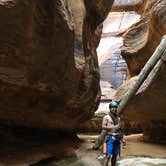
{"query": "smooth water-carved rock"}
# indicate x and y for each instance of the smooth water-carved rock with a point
(49, 76)
(140, 41)
(48, 66)
(148, 106)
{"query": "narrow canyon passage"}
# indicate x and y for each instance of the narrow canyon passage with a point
(61, 64)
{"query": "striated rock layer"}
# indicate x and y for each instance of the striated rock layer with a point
(49, 74)
(125, 5)
(141, 39)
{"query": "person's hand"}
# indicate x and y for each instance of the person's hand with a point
(124, 143)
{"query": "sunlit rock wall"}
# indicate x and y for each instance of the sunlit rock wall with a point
(112, 66)
(48, 65)
(142, 38)
(111, 63)
(128, 5)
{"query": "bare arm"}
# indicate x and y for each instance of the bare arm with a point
(109, 127)
(119, 122)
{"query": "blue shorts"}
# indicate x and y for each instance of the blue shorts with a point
(113, 147)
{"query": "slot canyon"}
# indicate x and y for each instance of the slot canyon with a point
(63, 61)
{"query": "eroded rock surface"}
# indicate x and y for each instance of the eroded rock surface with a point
(49, 77)
(148, 106)
(140, 41)
(45, 82)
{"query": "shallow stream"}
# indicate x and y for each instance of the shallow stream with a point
(134, 154)
(142, 161)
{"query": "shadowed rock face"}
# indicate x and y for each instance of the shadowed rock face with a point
(48, 66)
(140, 41)
(150, 102)
(49, 77)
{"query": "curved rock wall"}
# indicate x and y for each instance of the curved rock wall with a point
(148, 106)
(140, 41)
(48, 66)
(142, 38)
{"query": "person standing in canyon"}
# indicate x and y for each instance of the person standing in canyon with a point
(111, 123)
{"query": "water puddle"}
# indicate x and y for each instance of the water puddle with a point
(91, 161)
(142, 161)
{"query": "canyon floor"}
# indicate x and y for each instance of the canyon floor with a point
(135, 153)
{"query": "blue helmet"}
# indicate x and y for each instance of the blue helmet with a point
(113, 104)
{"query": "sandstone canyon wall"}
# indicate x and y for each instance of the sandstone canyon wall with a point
(140, 41)
(49, 74)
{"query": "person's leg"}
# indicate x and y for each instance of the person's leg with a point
(107, 160)
(115, 152)
(102, 152)
(109, 150)
(113, 160)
